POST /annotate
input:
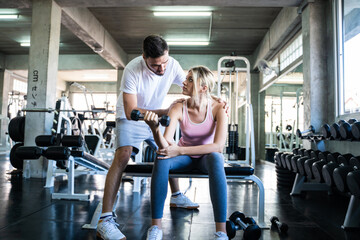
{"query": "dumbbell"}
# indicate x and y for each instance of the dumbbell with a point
(342, 171)
(300, 134)
(328, 169)
(300, 153)
(355, 130)
(325, 131)
(300, 162)
(318, 165)
(335, 129)
(345, 129)
(308, 163)
(281, 227)
(136, 116)
(353, 182)
(238, 221)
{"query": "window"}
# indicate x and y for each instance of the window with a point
(348, 53)
(291, 53)
(19, 86)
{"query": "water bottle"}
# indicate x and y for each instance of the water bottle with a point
(26, 170)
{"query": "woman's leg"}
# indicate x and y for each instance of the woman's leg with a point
(159, 182)
(213, 164)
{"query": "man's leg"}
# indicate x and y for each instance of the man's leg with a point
(107, 228)
(114, 175)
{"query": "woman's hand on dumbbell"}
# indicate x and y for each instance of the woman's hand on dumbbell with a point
(151, 119)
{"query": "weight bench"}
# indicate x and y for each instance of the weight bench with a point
(232, 171)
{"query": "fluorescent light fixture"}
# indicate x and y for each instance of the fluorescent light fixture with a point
(9, 16)
(188, 43)
(182, 14)
(25, 44)
(95, 76)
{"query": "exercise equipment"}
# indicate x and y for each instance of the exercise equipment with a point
(301, 134)
(324, 158)
(136, 116)
(15, 161)
(340, 173)
(16, 129)
(355, 130)
(308, 163)
(328, 169)
(335, 130)
(345, 129)
(281, 227)
(325, 131)
(238, 221)
(232, 171)
(227, 67)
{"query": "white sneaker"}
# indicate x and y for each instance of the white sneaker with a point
(182, 201)
(220, 236)
(107, 229)
(154, 233)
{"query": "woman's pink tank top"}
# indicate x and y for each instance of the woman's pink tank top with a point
(193, 134)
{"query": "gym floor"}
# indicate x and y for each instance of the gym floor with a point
(27, 211)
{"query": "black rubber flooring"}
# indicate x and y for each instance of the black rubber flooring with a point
(27, 211)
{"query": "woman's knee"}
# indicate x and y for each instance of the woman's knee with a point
(215, 158)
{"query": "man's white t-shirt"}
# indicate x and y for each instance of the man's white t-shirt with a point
(149, 88)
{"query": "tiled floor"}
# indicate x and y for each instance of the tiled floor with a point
(27, 211)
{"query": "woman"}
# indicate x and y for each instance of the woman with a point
(203, 124)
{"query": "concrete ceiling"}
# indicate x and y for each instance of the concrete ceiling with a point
(237, 25)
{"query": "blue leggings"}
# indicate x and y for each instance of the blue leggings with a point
(212, 163)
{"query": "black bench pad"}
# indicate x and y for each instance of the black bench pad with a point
(230, 170)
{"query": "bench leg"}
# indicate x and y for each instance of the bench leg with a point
(261, 202)
(95, 218)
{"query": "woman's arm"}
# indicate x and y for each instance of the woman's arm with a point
(217, 146)
(152, 120)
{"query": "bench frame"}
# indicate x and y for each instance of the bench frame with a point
(260, 201)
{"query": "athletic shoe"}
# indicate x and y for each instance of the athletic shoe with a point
(154, 233)
(220, 236)
(182, 201)
(107, 229)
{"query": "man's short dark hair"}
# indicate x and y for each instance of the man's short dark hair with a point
(154, 46)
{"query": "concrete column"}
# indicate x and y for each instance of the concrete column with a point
(261, 136)
(118, 83)
(314, 64)
(43, 67)
(4, 98)
(255, 87)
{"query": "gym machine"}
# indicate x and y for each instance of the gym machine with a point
(227, 66)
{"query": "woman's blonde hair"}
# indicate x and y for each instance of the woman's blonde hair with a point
(205, 77)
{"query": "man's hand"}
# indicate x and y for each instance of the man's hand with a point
(180, 100)
(225, 105)
(170, 151)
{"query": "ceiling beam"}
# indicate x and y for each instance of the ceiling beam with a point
(83, 24)
(149, 3)
(15, 4)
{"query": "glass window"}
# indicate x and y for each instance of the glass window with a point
(291, 53)
(348, 55)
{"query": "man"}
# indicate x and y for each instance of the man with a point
(145, 83)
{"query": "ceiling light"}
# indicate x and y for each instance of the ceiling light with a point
(9, 16)
(188, 43)
(182, 14)
(25, 44)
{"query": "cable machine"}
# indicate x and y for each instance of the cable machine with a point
(227, 66)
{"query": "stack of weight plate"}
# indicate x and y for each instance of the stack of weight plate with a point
(284, 177)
